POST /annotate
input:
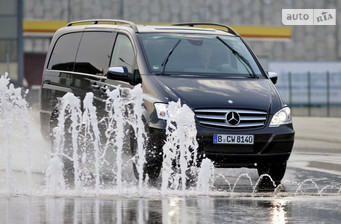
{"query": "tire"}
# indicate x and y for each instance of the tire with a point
(153, 164)
(275, 170)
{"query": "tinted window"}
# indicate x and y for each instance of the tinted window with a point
(94, 52)
(64, 52)
(197, 54)
(123, 54)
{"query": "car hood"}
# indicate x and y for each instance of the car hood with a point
(237, 93)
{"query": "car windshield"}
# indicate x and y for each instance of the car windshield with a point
(199, 54)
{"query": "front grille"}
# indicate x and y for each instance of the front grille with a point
(221, 117)
(229, 149)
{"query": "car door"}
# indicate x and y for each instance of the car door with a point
(123, 55)
(91, 65)
(58, 75)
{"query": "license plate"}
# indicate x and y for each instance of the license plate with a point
(233, 139)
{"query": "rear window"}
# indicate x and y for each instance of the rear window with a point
(64, 52)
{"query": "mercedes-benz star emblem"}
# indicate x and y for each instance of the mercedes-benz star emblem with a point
(233, 118)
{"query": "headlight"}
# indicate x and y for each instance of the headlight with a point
(161, 110)
(283, 116)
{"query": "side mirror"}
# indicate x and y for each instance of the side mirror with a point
(120, 73)
(273, 76)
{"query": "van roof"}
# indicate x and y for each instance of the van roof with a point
(204, 28)
(180, 29)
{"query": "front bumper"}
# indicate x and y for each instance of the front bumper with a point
(270, 145)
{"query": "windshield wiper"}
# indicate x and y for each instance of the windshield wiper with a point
(241, 58)
(163, 65)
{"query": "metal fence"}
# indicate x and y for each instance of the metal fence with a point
(311, 93)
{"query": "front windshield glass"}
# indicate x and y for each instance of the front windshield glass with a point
(200, 54)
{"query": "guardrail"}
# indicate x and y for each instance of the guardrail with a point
(312, 94)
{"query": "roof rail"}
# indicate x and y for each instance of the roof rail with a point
(115, 21)
(229, 29)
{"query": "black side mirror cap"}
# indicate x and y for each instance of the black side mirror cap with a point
(120, 73)
(273, 76)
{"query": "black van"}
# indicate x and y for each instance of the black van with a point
(240, 116)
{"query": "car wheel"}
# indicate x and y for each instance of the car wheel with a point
(275, 170)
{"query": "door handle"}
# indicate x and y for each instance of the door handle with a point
(104, 88)
(95, 86)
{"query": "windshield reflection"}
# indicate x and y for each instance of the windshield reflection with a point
(199, 54)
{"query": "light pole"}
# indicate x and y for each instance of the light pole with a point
(20, 41)
(122, 9)
(69, 10)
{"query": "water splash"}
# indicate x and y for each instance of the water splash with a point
(206, 176)
(115, 131)
(259, 180)
(67, 132)
(54, 176)
(224, 179)
(77, 138)
(90, 122)
(139, 130)
(240, 176)
(323, 189)
(124, 109)
(14, 115)
(305, 181)
(180, 149)
(278, 189)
